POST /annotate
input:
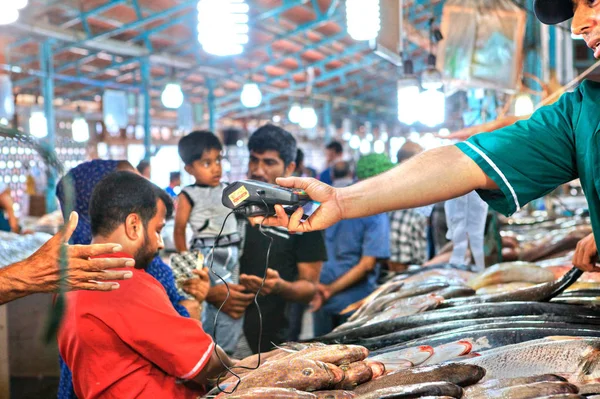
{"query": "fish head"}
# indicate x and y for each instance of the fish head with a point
(317, 375)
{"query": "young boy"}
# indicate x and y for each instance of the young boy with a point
(200, 206)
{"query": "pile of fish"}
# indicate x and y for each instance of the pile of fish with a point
(317, 371)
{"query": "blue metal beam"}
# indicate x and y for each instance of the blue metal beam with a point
(47, 89)
(145, 72)
(349, 51)
(335, 73)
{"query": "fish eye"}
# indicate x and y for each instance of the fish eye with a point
(308, 372)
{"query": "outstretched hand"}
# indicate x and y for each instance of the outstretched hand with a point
(328, 214)
(41, 270)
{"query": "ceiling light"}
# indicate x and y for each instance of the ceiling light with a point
(223, 26)
(365, 146)
(363, 19)
(308, 118)
(295, 113)
(38, 125)
(251, 96)
(172, 96)
(80, 128)
(379, 146)
(354, 142)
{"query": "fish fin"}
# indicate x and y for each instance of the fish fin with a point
(283, 348)
(590, 359)
(562, 338)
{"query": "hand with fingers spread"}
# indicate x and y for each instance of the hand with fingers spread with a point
(236, 304)
(198, 287)
(329, 213)
(253, 283)
(40, 272)
(586, 255)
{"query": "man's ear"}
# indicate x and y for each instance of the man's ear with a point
(133, 227)
(291, 168)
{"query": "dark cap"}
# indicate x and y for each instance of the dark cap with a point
(552, 12)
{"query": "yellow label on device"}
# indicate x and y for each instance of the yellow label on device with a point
(239, 196)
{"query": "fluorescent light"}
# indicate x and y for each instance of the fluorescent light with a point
(251, 96)
(354, 142)
(379, 146)
(223, 26)
(365, 146)
(363, 19)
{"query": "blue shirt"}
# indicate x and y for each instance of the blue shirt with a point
(348, 241)
(325, 176)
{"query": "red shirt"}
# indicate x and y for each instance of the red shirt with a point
(131, 343)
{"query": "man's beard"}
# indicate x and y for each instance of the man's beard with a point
(143, 256)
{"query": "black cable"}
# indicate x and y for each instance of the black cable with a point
(260, 319)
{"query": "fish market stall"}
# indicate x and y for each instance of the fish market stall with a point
(522, 329)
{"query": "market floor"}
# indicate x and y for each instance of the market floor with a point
(33, 388)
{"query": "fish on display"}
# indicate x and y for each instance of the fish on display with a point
(407, 307)
(415, 391)
(447, 352)
(469, 325)
(529, 391)
(478, 389)
(301, 374)
(563, 396)
(511, 272)
(539, 292)
(271, 393)
(354, 375)
(334, 394)
(503, 288)
(574, 358)
(404, 358)
(475, 311)
(456, 373)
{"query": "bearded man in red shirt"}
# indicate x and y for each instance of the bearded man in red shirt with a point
(131, 343)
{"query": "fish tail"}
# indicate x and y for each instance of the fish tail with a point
(589, 361)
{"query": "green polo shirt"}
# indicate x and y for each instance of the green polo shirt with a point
(529, 159)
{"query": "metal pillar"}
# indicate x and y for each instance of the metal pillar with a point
(211, 105)
(145, 75)
(533, 61)
(327, 120)
(47, 89)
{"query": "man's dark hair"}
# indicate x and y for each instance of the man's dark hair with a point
(193, 146)
(174, 176)
(142, 166)
(273, 138)
(299, 157)
(120, 194)
(341, 169)
(335, 146)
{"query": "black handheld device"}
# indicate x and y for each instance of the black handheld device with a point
(256, 198)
